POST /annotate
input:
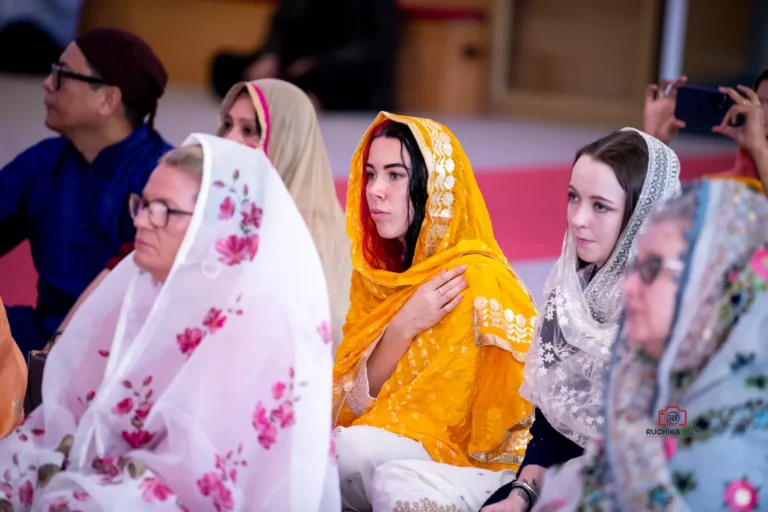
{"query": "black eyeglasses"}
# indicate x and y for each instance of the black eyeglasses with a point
(651, 266)
(57, 73)
(158, 211)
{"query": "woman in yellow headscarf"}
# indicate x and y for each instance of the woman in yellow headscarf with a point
(13, 378)
(431, 360)
(279, 118)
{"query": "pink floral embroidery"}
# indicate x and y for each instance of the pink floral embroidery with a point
(60, 505)
(189, 340)
(325, 332)
(81, 495)
(252, 215)
(227, 209)
(227, 465)
(142, 411)
(266, 429)
(18, 474)
(26, 493)
(235, 250)
(88, 399)
(154, 490)
(214, 320)
(243, 247)
(740, 496)
(108, 468)
(281, 416)
(140, 404)
(760, 263)
(104, 353)
(252, 245)
(212, 485)
(137, 439)
(278, 390)
(123, 407)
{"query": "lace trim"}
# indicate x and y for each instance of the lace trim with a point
(351, 380)
(515, 440)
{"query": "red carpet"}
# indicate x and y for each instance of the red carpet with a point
(527, 207)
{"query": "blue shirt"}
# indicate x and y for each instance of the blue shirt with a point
(74, 214)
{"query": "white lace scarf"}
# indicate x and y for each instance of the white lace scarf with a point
(567, 363)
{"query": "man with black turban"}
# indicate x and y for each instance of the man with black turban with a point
(69, 195)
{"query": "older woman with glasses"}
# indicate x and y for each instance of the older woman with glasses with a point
(154, 399)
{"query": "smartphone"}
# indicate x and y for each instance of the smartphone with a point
(702, 107)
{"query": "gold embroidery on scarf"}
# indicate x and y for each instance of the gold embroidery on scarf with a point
(518, 329)
(440, 182)
(18, 409)
(515, 440)
(423, 505)
(440, 189)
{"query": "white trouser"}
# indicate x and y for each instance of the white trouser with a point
(381, 471)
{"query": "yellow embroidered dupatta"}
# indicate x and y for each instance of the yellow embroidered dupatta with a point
(456, 389)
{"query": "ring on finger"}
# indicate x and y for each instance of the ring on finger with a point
(440, 289)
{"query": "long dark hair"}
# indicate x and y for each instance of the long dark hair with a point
(392, 254)
(627, 154)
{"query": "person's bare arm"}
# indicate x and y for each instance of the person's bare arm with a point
(383, 361)
(518, 500)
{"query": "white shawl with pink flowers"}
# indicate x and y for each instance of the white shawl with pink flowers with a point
(211, 391)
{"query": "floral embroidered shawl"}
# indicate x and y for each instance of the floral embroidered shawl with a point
(714, 371)
(211, 391)
(456, 389)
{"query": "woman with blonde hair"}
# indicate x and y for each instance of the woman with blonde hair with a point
(279, 118)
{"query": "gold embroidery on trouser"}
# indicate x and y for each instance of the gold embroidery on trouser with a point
(423, 505)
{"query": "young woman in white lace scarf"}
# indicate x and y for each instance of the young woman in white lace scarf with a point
(615, 182)
(198, 376)
(686, 412)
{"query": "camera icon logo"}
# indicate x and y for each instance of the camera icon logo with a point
(673, 416)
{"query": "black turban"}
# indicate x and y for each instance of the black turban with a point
(127, 62)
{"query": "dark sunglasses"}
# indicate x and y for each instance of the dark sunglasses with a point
(649, 268)
(57, 74)
(158, 211)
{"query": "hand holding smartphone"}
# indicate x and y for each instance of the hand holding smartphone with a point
(703, 107)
